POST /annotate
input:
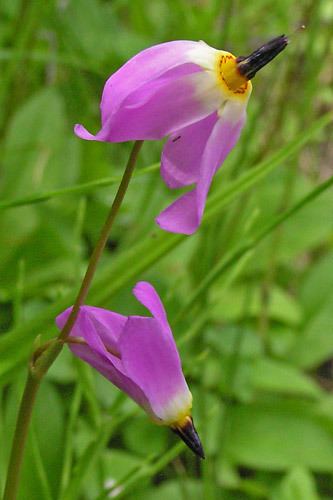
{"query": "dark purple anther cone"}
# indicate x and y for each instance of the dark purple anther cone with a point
(187, 432)
(249, 65)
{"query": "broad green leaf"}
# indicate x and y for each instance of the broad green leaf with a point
(314, 344)
(317, 286)
(277, 436)
(298, 484)
(140, 438)
(172, 490)
(228, 305)
(116, 464)
(274, 376)
(38, 145)
(223, 339)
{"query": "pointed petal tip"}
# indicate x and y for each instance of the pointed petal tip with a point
(187, 432)
(167, 222)
(82, 133)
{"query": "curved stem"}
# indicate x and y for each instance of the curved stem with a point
(98, 250)
(44, 356)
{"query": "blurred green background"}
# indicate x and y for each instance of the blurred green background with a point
(249, 297)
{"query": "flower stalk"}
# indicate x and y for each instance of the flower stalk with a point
(99, 248)
(43, 356)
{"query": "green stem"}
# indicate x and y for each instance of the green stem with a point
(20, 436)
(98, 250)
(44, 356)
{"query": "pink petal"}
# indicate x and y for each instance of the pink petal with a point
(181, 216)
(151, 360)
(106, 326)
(83, 133)
(144, 67)
(112, 373)
(89, 326)
(185, 214)
(147, 295)
(148, 65)
(181, 156)
(160, 107)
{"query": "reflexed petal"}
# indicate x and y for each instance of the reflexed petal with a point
(160, 107)
(95, 353)
(106, 325)
(185, 214)
(84, 328)
(144, 67)
(82, 132)
(109, 371)
(151, 360)
(181, 216)
(224, 137)
(147, 295)
(148, 65)
(182, 153)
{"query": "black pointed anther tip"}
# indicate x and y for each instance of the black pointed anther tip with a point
(249, 65)
(189, 435)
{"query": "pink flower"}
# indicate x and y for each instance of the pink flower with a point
(196, 96)
(139, 356)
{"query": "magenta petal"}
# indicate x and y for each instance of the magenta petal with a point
(92, 325)
(182, 153)
(185, 214)
(223, 138)
(181, 216)
(84, 327)
(160, 107)
(81, 132)
(112, 373)
(147, 295)
(142, 68)
(107, 326)
(151, 360)
(148, 65)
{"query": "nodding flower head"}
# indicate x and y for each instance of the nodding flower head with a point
(138, 355)
(196, 96)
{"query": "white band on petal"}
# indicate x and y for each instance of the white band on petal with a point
(203, 55)
(177, 408)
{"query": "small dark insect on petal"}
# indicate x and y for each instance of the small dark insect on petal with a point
(176, 138)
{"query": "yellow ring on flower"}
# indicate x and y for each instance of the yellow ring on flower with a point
(233, 84)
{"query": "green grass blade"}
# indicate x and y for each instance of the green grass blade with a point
(146, 471)
(248, 246)
(83, 188)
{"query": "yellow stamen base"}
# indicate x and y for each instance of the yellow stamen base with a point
(183, 421)
(234, 85)
(187, 432)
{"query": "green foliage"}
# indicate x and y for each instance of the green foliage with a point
(249, 297)
(297, 485)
